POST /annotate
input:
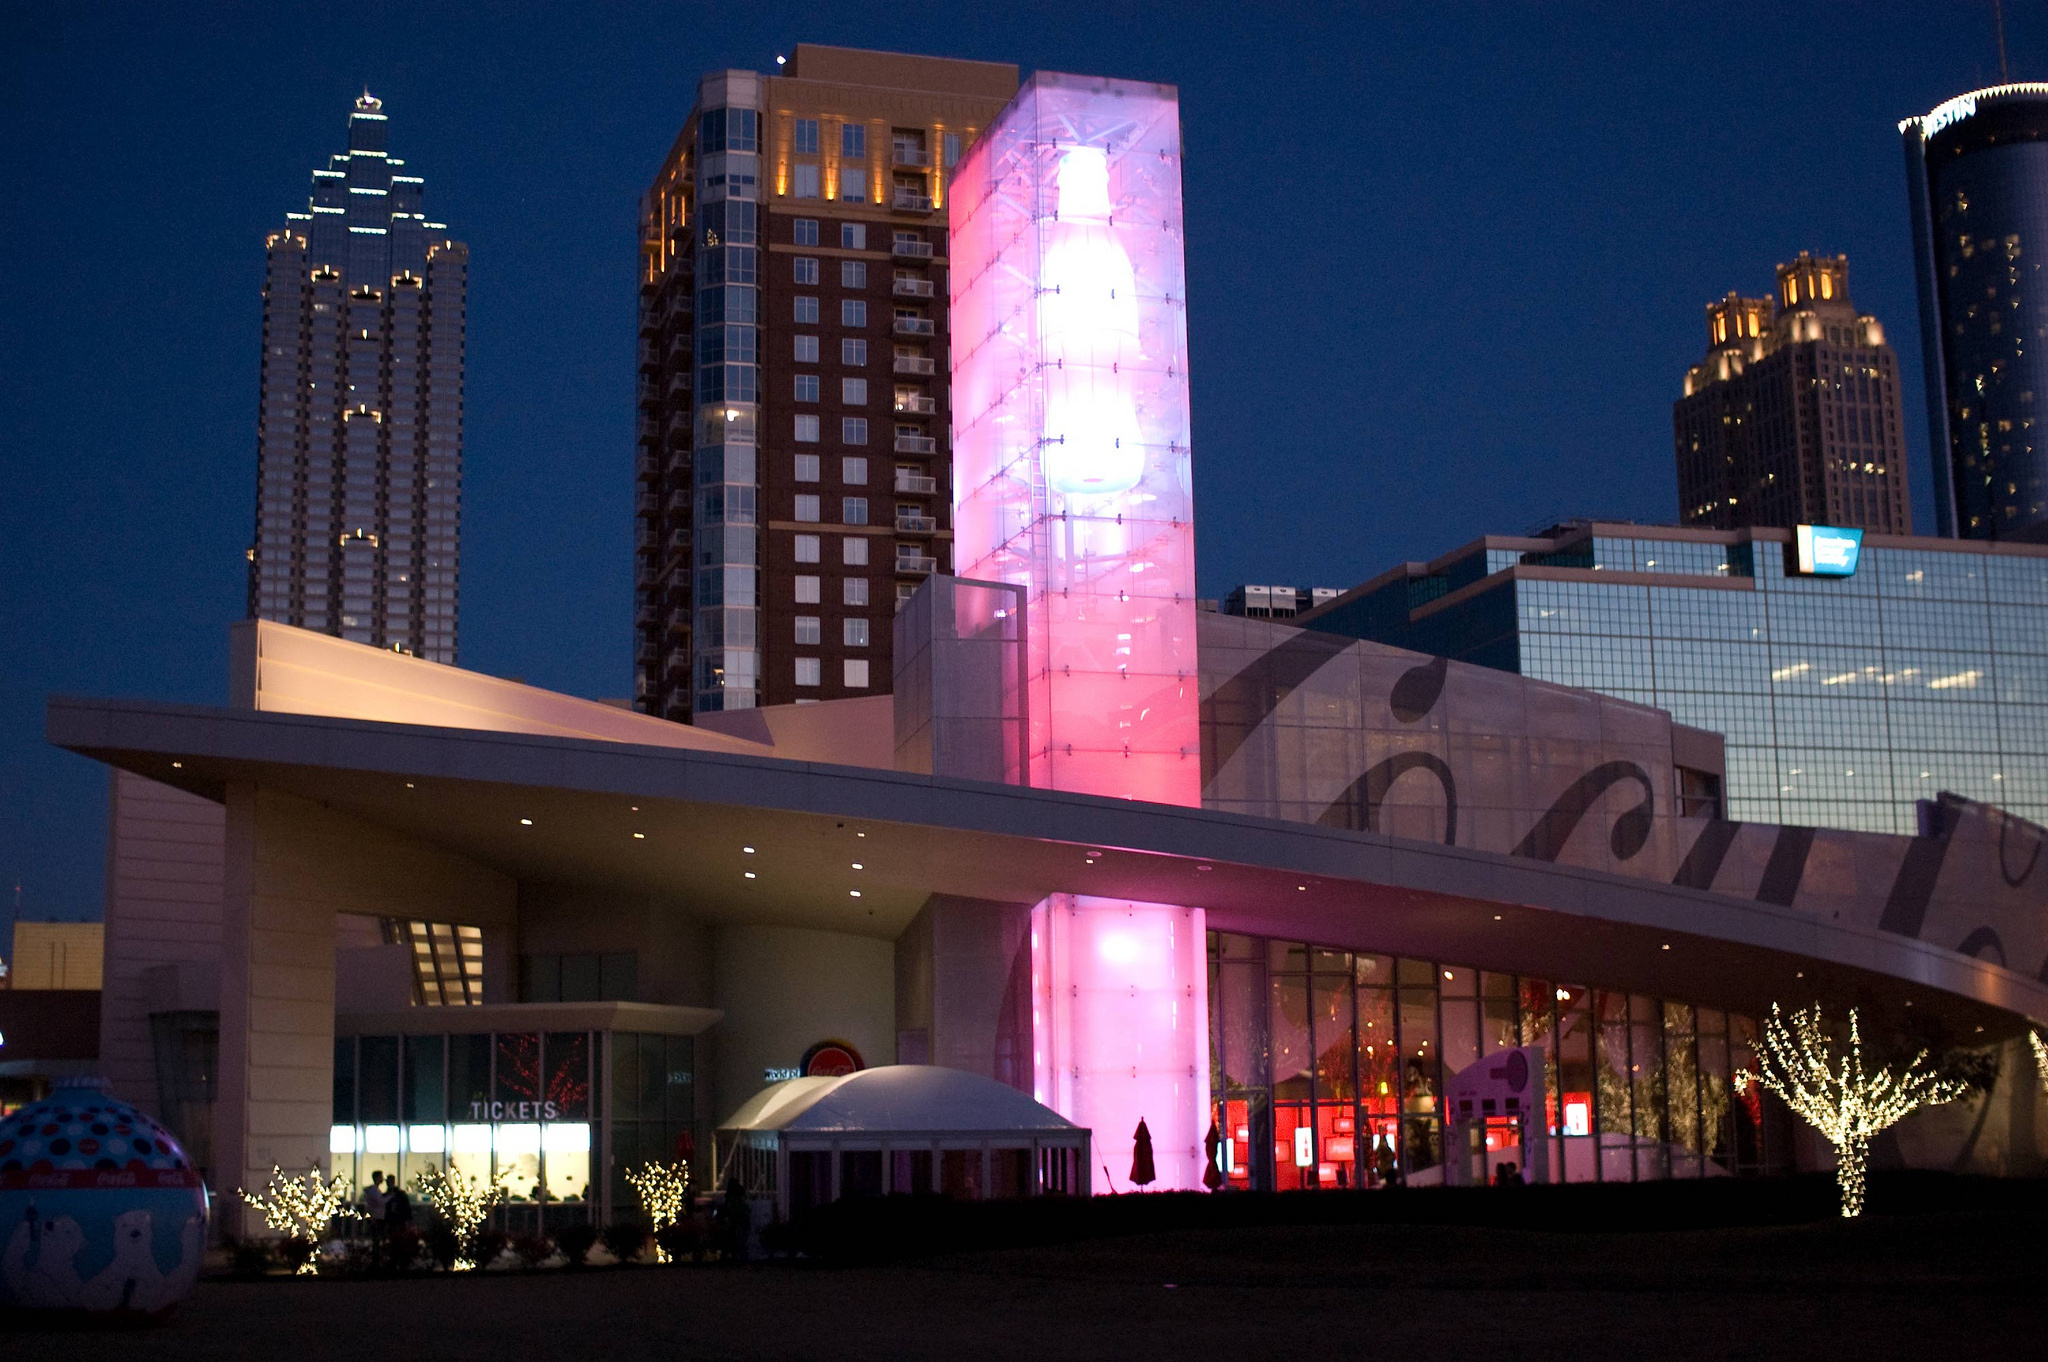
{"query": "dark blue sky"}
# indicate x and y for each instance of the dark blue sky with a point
(1447, 264)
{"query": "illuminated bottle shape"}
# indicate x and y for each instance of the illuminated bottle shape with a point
(1088, 327)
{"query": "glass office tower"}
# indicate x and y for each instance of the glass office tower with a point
(1844, 700)
(1977, 177)
(359, 439)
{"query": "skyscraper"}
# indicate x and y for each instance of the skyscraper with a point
(359, 439)
(793, 472)
(1793, 417)
(1977, 181)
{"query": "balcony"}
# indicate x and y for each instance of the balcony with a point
(679, 621)
(910, 201)
(923, 565)
(907, 287)
(677, 502)
(903, 154)
(916, 364)
(911, 250)
(916, 444)
(909, 523)
(915, 326)
(916, 484)
(918, 405)
(678, 661)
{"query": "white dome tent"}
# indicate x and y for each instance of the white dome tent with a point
(899, 1128)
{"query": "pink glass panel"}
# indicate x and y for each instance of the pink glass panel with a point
(1071, 443)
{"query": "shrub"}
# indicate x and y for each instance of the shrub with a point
(683, 1239)
(402, 1247)
(624, 1239)
(485, 1246)
(250, 1257)
(533, 1249)
(574, 1241)
(444, 1244)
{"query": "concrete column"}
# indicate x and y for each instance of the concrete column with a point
(276, 1090)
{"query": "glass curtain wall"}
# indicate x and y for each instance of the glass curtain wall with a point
(1327, 1069)
(528, 1109)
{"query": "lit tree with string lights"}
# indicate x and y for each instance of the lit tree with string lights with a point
(1840, 1098)
(663, 1189)
(464, 1203)
(300, 1209)
(2040, 1056)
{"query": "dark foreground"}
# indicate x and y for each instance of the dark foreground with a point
(1947, 1284)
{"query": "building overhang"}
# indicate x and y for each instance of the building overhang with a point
(546, 809)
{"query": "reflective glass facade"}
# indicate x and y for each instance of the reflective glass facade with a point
(1977, 173)
(1328, 1066)
(1843, 700)
(359, 437)
(559, 1116)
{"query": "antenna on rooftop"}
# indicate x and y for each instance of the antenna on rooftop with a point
(1998, 22)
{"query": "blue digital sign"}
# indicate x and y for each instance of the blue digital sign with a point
(1825, 551)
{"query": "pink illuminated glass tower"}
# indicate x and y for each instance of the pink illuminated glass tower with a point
(1072, 480)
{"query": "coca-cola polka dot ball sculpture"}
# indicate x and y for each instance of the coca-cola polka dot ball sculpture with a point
(100, 1210)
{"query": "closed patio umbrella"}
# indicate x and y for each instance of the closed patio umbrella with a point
(1142, 1171)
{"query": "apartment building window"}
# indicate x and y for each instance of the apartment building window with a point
(855, 591)
(806, 590)
(807, 430)
(853, 140)
(854, 633)
(809, 630)
(806, 387)
(853, 185)
(853, 510)
(806, 311)
(852, 312)
(853, 551)
(806, 349)
(952, 149)
(807, 510)
(807, 136)
(853, 430)
(810, 671)
(853, 236)
(856, 673)
(806, 269)
(853, 274)
(806, 468)
(804, 185)
(853, 353)
(853, 392)
(853, 470)
(807, 544)
(804, 231)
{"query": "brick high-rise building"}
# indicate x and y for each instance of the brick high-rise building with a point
(1793, 417)
(359, 439)
(793, 473)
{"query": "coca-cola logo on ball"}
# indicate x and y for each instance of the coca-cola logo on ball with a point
(830, 1059)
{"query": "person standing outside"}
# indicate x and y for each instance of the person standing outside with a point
(376, 1202)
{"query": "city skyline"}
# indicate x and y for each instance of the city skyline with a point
(546, 615)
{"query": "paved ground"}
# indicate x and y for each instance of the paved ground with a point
(1948, 1287)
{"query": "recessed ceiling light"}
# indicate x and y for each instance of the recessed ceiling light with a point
(858, 866)
(526, 822)
(1447, 974)
(1563, 996)
(408, 785)
(854, 892)
(635, 808)
(860, 834)
(750, 874)
(639, 836)
(1301, 888)
(177, 766)
(1496, 917)
(1205, 867)
(748, 850)
(1800, 975)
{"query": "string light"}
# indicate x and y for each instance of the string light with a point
(2040, 1056)
(301, 1209)
(663, 1189)
(463, 1203)
(1846, 1103)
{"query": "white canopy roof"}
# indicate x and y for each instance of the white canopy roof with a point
(908, 1098)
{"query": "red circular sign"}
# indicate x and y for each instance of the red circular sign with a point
(830, 1059)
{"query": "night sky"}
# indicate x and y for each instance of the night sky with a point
(1447, 267)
